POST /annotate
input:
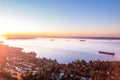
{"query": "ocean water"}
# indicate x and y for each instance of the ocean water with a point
(66, 50)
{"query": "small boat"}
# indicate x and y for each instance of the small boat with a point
(52, 40)
(109, 53)
(82, 40)
(67, 40)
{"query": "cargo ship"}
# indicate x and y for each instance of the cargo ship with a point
(108, 53)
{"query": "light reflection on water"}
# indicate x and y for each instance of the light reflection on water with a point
(66, 50)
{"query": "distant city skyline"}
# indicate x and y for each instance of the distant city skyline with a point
(60, 17)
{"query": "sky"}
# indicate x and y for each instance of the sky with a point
(61, 17)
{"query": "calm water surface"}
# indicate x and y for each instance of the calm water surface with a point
(67, 50)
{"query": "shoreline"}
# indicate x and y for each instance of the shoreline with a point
(27, 66)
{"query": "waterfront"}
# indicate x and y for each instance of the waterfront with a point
(15, 64)
(65, 50)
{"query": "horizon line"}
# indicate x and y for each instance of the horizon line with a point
(38, 34)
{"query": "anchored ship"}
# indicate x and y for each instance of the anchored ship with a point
(108, 53)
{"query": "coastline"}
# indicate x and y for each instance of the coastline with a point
(28, 67)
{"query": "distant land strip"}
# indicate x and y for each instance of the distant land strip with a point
(76, 37)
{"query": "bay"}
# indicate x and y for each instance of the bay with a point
(65, 50)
